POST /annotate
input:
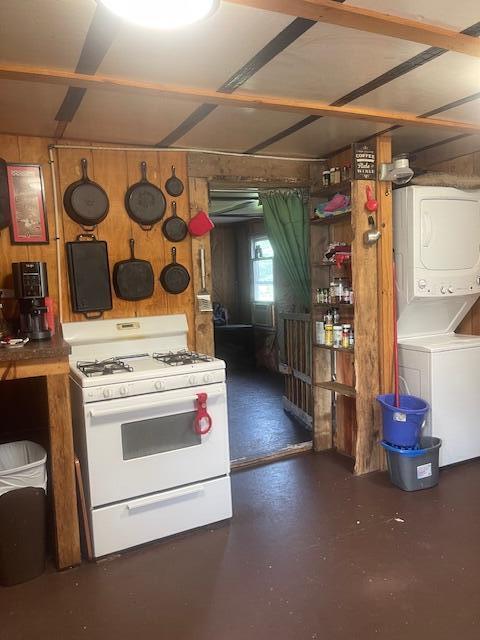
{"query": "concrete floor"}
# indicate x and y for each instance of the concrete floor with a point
(258, 425)
(312, 553)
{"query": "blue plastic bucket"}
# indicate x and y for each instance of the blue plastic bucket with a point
(402, 426)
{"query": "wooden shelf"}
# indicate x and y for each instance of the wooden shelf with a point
(333, 219)
(336, 305)
(326, 346)
(332, 189)
(337, 387)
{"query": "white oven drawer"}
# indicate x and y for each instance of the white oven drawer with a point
(141, 520)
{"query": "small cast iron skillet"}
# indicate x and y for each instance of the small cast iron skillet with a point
(174, 228)
(174, 186)
(174, 278)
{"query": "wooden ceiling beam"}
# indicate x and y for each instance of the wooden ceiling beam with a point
(344, 15)
(177, 92)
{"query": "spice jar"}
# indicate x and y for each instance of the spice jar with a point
(337, 335)
(329, 335)
(336, 315)
(351, 338)
(320, 332)
(326, 178)
(332, 293)
(346, 336)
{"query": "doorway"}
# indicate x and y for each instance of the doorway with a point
(251, 295)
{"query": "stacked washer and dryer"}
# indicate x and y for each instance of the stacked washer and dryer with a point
(437, 257)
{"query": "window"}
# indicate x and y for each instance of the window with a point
(262, 269)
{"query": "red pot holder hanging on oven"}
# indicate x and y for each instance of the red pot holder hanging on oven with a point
(203, 420)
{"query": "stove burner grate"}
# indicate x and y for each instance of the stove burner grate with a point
(179, 358)
(103, 367)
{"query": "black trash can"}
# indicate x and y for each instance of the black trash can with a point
(22, 511)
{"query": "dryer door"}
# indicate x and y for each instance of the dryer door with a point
(450, 234)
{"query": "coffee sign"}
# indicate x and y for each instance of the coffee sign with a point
(364, 162)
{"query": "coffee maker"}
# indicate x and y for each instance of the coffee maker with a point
(31, 288)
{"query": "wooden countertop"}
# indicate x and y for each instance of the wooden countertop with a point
(56, 348)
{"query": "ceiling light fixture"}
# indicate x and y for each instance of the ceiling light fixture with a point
(162, 14)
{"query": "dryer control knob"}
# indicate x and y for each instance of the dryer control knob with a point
(159, 385)
(451, 289)
(443, 290)
(192, 380)
(422, 284)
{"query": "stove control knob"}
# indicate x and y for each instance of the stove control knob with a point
(207, 378)
(123, 391)
(192, 380)
(478, 279)
(107, 393)
(450, 289)
(422, 284)
(159, 385)
(443, 290)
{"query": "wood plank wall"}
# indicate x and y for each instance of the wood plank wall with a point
(468, 165)
(114, 170)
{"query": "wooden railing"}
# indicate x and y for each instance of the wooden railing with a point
(295, 340)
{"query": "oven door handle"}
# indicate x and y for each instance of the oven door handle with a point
(170, 495)
(109, 413)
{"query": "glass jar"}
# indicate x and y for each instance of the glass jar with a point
(320, 332)
(332, 298)
(351, 338)
(337, 335)
(346, 336)
(329, 335)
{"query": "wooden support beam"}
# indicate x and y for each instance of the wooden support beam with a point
(365, 284)
(385, 269)
(269, 103)
(63, 472)
(204, 340)
(344, 15)
(386, 282)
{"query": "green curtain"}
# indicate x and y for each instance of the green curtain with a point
(286, 221)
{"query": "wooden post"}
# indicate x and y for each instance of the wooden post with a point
(63, 472)
(322, 402)
(365, 286)
(204, 342)
(385, 270)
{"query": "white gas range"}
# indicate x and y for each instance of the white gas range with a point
(150, 427)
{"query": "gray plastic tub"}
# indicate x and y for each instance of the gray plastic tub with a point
(414, 469)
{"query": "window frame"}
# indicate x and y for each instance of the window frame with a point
(253, 240)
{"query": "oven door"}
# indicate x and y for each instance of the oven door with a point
(148, 443)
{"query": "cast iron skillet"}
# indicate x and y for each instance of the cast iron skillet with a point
(174, 185)
(174, 277)
(145, 202)
(85, 201)
(133, 279)
(174, 228)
